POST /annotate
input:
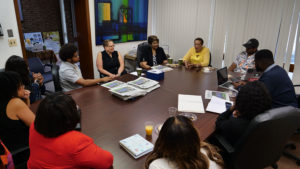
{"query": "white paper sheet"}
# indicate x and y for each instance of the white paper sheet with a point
(190, 103)
(217, 105)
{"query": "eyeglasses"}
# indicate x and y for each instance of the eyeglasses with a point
(112, 46)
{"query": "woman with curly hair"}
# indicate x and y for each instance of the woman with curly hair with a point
(32, 81)
(178, 146)
(253, 99)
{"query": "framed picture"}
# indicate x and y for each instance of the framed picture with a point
(121, 20)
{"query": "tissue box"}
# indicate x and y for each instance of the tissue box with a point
(155, 74)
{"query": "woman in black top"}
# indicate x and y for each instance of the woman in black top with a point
(110, 62)
(253, 99)
(153, 54)
(15, 115)
(32, 81)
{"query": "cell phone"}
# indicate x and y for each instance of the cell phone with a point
(228, 105)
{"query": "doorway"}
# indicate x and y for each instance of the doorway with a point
(82, 18)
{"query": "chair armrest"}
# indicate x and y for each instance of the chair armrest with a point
(227, 146)
(20, 150)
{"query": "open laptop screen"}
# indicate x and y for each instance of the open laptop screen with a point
(222, 75)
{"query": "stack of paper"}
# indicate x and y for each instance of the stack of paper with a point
(126, 91)
(112, 84)
(136, 145)
(190, 103)
(162, 68)
(131, 89)
(217, 105)
(145, 84)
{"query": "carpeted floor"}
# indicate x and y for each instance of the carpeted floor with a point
(287, 163)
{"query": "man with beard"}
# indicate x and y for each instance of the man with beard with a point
(245, 60)
(275, 79)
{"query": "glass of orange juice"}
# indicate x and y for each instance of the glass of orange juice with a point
(149, 125)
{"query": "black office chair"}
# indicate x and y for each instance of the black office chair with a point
(292, 145)
(35, 65)
(264, 140)
(55, 75)
(140, 48)
(209, 60)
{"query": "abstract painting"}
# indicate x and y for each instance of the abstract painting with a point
(121, 20)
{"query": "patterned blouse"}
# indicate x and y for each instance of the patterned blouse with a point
(243, 62)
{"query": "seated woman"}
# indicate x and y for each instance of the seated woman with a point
(197, 56)
(32, 82)
(110, 62)
(15, 115)
(178, 146)
(152, 55)
(252, 100)
(54, 142)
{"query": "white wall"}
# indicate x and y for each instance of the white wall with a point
(8, 20)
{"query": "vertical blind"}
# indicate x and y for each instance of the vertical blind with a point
(178, 22)
(230, 24)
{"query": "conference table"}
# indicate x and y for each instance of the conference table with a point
(108, 119)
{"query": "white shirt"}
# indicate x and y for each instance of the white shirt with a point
(69, 73)
(163, 163)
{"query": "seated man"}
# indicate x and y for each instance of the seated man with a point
(197, 56)
(245, 60)
(70, 74)
(276, 80)
(152, 55)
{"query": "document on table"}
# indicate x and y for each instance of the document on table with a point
(190, 103)
(135, 73)
(217, 105)
(222, 95)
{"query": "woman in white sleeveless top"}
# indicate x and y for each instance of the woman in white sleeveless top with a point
(178, 146)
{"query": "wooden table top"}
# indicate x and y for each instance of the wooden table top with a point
(108, 119)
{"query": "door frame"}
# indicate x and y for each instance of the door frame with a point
(82, 15)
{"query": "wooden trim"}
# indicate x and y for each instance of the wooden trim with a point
(82, 15)
(291, 69)
(20, 28)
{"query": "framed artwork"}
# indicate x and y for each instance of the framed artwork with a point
(52, 41)
(121, 20)
(33, 41)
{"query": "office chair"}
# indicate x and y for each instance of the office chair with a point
(209, 60)
(292, 145)
(140, 48)
(55, 75)
(36, 66)
(264, 140)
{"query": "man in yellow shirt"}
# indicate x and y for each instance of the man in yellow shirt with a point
(197, 56)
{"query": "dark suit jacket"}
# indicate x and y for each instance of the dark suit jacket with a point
(280, 87)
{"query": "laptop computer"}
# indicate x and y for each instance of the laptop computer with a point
(223, 82)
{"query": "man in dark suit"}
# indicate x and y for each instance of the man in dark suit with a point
(275, 79)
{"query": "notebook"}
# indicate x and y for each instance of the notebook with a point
(223, 82)
(136, 145)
